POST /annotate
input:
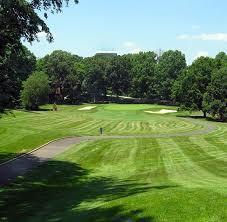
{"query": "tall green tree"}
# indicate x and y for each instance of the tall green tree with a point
(35, 91)
(74, 81)
(215, 99)
(94, 84)
(118, 75)
(170, 66)
(22, 63)
(16, 69)
(192, 84)
(60, 67)
(143, 74)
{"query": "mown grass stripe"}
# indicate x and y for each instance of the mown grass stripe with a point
(197, 154)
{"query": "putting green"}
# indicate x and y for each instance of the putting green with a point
(128, 107)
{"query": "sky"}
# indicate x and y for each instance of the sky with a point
(196, 27)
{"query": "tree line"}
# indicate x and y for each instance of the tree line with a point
(144, 76)
(64, 78)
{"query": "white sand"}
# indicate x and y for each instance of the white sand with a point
(162, 111)
(87, 108)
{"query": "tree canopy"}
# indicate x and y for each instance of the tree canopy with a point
(118, 75)
(35, 91)
(143, 75)
(19, 20)
(170, 66)
(215, 99)
(191, 85)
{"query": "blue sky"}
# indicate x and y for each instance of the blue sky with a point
(196, 27)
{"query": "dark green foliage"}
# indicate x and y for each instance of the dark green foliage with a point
(94, 82)
(61, 67)
(35, 91)
(23, 64)
(118, 75)
(143, 75)
(191, 85)
(221, 59)
(14, 70)
(170, 66)
(203, 86)
(73, 88)
(215, 99)
(60, 64)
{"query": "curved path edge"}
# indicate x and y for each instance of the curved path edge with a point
(19, 165)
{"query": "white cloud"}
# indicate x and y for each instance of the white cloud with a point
(196, 27)
(204, 37)
(129, 44)
(201, 53)
(130, 47)
(183, 37)
(213, 37)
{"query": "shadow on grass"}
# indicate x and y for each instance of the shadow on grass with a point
(56, 190)
(4, 156)
(45, 109)
(190, 116)
(6, 112)
(38, 110)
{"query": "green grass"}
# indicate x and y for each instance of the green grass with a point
(177, 178)
(22, 131)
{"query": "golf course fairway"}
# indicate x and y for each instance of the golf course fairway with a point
(164, 167)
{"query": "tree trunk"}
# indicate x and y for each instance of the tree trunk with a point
(221, 117)
(204, 114)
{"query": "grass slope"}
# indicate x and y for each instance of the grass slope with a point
(133, 180)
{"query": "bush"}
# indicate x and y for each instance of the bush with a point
(35, 91)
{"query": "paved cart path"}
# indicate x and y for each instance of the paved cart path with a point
(22, 164)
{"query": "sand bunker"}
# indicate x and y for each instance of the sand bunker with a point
(87, 108)
(162, 111)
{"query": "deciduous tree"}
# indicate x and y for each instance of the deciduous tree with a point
(60, 67)
(170, 66)
(94, 83)
(118, 75)
(35, 91)
(191, 85)
(215, 99)
(143, 75)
